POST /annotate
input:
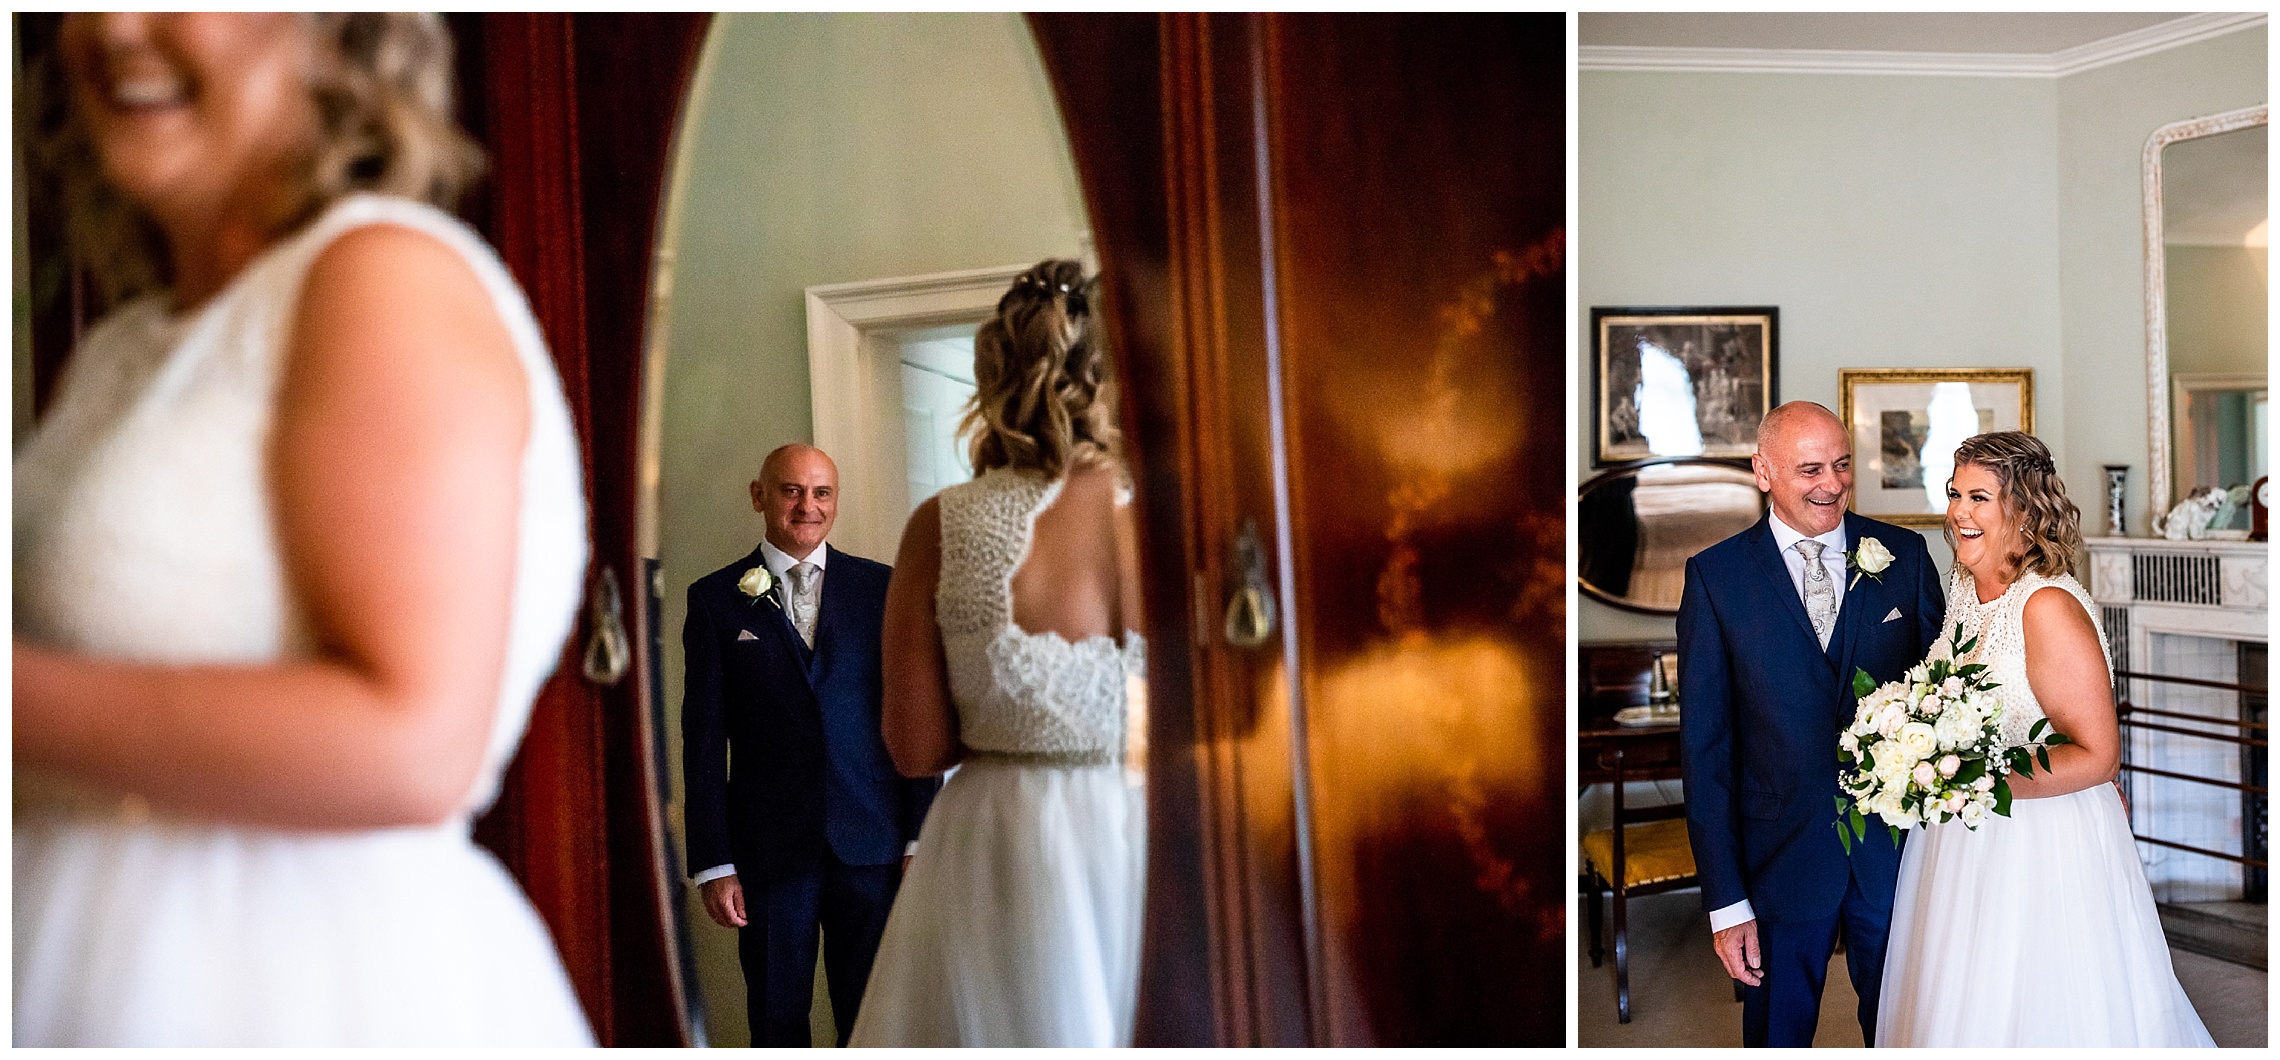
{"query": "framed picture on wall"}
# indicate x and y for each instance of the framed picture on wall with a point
(1681, 381)
(1906, 423)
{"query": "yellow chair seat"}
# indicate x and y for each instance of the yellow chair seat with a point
(1653, 852)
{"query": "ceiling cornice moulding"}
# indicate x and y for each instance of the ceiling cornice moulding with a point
(2123, 47)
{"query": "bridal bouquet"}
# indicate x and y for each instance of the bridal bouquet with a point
(1928, 749)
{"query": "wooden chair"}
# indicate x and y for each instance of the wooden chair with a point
(1645, 852)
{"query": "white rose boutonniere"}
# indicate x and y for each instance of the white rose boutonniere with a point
(756, 583)
(1870, 558)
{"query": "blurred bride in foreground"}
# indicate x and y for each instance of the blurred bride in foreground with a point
(294, 550)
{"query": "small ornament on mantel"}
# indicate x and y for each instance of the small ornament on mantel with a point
(2117, 482)
(2260, 509)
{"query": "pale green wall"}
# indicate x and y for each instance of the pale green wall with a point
(2105, 116)
(823, 149)
(2218, 306)
(1897, 222)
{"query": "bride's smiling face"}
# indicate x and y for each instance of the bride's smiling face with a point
(189, 111)
(1986, 535)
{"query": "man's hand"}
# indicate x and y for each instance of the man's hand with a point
(1737, 948)
(724, 901)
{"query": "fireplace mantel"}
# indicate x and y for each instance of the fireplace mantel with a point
(2197, 588)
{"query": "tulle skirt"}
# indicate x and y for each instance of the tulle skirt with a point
(143, 932)
(1018, 923)
(2035, 930)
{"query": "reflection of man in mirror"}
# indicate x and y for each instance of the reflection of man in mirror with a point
(1771, 626)
(813, 827)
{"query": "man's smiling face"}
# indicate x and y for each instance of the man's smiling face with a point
(1804, 465)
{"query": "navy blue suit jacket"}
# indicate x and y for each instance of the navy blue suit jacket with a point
(1762, 704)
(811, 771)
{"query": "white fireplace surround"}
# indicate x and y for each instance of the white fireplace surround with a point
(2190, 588)
(2176, 608)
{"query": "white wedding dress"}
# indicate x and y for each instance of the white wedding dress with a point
(144, 532)
(2037, 929)
(1019, 921)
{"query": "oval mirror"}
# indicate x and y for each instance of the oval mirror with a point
(1636, 526)
(850, 195)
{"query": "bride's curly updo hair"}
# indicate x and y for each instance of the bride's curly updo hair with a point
(1044, 392)
(382, 85)
(2049, 525)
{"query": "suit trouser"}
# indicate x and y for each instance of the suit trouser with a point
(777, 945)
(1785, 1009)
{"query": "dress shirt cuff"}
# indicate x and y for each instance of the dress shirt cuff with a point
(711, 874)
(1737, 913)
(910, 848)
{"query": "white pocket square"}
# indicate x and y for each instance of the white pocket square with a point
(1895, 614)
(746, 634)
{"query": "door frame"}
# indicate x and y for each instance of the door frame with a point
(855, 387)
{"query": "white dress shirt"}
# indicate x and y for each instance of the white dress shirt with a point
(1833, 561)
(779, 562)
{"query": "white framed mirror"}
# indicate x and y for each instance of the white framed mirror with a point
(2206, 273)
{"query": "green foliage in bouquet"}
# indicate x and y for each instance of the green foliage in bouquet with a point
(1956, 773)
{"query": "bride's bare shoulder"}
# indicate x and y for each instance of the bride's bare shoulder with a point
(2053, 611)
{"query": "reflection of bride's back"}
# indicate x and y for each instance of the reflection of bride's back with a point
(1008, 647)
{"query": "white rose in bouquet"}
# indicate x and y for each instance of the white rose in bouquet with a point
(1917, 741)
(1891, 774)
(1972, 813)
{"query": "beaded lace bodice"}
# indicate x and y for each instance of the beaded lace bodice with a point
(1999, 625)
(143, 524)
(1016, 692)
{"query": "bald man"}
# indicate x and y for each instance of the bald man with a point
(1773, 623)
(811, 828)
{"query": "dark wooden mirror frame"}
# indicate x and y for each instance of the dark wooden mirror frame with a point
(1236, 245)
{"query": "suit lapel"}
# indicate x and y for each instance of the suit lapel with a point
(779, 618)
(1767, 553)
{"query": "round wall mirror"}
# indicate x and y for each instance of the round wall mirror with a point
(1636, 526)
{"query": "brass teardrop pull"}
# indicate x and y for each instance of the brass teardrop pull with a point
(1251, 610)
(609, 652)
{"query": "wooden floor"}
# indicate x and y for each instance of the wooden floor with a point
(1680, 996)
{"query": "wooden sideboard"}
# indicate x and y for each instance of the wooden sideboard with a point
(1611, 677)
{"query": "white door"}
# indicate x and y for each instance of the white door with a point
(937, 388)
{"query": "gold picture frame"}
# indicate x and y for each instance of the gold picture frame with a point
(1899, 417)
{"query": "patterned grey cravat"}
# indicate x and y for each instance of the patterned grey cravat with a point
(802, 576)
(1820, 595)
